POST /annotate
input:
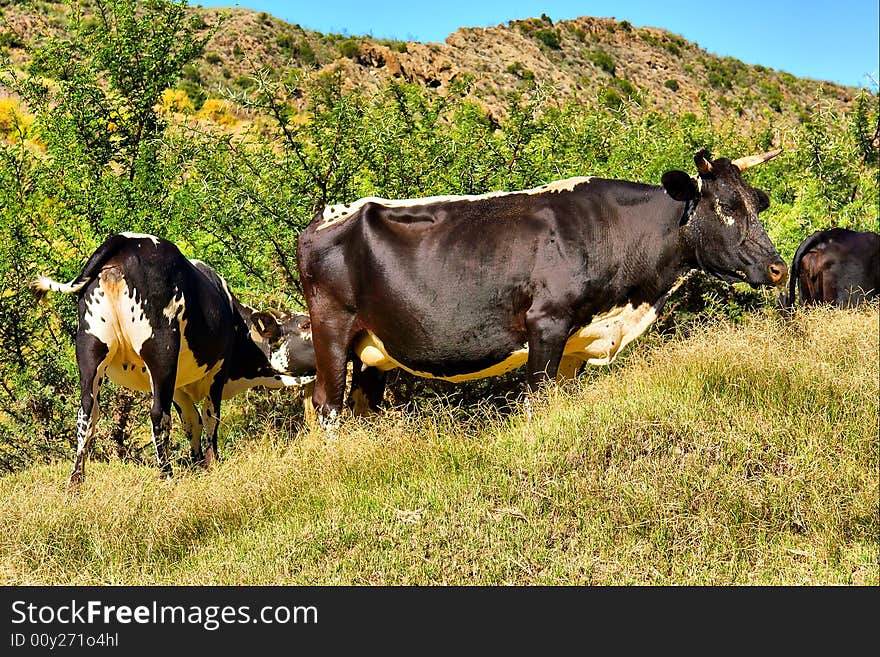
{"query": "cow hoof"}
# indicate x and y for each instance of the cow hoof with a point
(75, 483)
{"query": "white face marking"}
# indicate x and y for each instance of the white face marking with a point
(280, 358)
(141, 236)
(726, 218)
(334, 214)
(236, 386)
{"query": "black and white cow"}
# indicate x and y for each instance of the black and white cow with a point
(154, 321)
(466, 287)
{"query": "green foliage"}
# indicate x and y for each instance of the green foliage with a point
(520, 71)
(672, 43)
(603, 60)
(671, 84)
(349, 48)
(549, 38)
(9, 39)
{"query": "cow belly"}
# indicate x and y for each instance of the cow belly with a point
(372, 352)
(598, 343)
(129, 370)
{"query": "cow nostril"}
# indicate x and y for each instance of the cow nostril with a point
(777, 271)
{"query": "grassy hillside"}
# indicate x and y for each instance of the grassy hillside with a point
(742, 454)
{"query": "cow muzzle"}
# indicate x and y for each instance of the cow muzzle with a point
(778, 272)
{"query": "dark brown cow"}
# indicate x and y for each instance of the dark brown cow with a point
(154, 321)
(836, 266)
(465, 287)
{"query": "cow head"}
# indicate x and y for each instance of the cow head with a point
(286, 340)
(721, 224)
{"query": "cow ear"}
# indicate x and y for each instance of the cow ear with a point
(266, 325)
(763, 201)
(679, 186)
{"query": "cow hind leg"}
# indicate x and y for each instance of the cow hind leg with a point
(91, 358)
(212, 420)
(160, 356)
(191, 423)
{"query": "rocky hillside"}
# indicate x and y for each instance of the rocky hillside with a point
(590, 59)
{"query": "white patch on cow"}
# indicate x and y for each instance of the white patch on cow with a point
(120, 321)
(141, 236)
(236, 386)
(175, 306)
(334, 214)
(280, 359)
(598, 343)
(372, 352)
(117, 319)
(601, 340)
(726, 218)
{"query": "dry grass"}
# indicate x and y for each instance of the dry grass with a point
(741, 455)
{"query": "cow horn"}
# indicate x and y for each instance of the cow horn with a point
(750, 161)
(701, 159)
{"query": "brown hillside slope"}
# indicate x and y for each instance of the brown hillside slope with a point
(589, 59)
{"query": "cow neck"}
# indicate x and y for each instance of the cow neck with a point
(689, 254)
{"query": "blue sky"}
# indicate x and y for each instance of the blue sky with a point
(834, 40)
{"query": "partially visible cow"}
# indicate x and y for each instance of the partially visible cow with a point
(154, 321)
(836, 266)
(466, 287)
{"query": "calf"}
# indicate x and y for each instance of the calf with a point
(154, 321)
(836, 266)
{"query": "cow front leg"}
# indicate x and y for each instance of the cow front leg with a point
(547, 336)
(91, 358)
(191, 423)
(332, 337)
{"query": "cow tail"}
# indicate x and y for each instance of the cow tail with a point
(795, 269)
(90, 270)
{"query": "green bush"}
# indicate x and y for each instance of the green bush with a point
(671, 84)
(549, 38)
(349, 48)
(603, 60)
